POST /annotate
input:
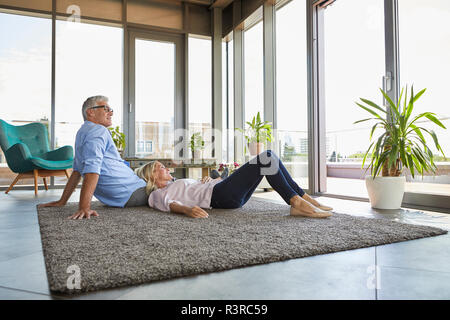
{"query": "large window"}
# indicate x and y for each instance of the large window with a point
(155, 98)
(354, 66)
(424, 63)
(227, 102)
(25, 76)
(224, 102)
(88, 63)
(200, 91)
(254, 72)
(230, 94)
(292, 95)
(200, 99)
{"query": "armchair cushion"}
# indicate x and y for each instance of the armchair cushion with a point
(40, 163)
(62, 153)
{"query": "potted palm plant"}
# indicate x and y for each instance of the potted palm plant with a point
(401, 145)
(257, 134)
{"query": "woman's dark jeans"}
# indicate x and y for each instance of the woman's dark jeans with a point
(235, 190)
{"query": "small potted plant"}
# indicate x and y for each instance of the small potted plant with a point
(118, 138)
(400, 145)
(197, 145)
(257, 134)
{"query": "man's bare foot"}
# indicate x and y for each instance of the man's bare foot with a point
(315, 203)
(300, 207)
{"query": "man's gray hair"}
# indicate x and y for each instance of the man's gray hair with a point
(91, 102)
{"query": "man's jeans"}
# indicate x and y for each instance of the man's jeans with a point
(138, 198)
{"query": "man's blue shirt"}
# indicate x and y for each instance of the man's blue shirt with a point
(95, 152)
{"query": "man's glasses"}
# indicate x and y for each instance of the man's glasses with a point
(106, 108)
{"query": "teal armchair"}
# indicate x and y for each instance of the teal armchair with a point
(28, 154)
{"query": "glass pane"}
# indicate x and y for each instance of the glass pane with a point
(88, 63)
(25, 76)
(200, 95)
(230, 102)
(254, 72)
(354, 66)
(224, 103)
(424, 62)
(155, 98)
(292, 90)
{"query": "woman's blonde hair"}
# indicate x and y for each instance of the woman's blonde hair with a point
(146, 172)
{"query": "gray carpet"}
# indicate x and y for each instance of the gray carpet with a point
(139, 245)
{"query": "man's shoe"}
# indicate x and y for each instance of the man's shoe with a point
(224, 173)
(214, 174)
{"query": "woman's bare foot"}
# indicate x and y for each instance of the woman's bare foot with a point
(316, 203)
(300, 207)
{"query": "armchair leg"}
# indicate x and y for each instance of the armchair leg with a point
(35, 174)
(13, 183)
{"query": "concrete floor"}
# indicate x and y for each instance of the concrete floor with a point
(417, 269)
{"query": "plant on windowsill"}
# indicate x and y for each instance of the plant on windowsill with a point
(197, 145)
(401, 145)
(257, 134)
(118, 138)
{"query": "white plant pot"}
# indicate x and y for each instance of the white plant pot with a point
(197, 154)
(386, 192)
(255, 148)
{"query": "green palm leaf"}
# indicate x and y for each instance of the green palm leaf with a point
(370, 111)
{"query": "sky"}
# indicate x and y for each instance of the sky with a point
(89, 62)
(354, 63)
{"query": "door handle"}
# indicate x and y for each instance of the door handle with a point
(387, 85)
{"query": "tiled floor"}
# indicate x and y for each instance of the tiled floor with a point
(417, 269)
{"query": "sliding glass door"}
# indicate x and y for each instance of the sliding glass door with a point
(354, 66)
(153, 100)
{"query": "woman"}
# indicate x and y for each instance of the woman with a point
(189, 196)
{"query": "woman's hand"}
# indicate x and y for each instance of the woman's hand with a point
(207, 179)
(197, 212)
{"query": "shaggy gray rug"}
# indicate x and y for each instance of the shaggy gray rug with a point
(137, 245)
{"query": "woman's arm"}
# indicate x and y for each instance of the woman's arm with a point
(194, 212)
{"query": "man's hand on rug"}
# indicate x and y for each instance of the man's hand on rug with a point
(197, 212)
(57, 203)
(84, 213)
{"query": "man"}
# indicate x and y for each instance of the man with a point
(105, 174)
